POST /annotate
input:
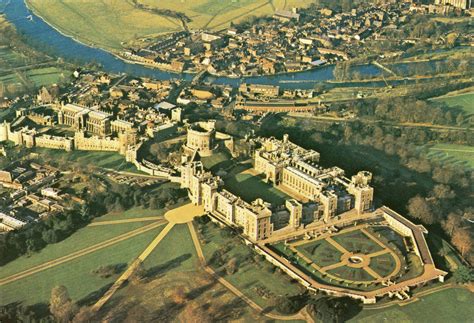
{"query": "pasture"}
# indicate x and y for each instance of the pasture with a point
(451, 154)
(110, 24)
(451, 305)
(463, 101)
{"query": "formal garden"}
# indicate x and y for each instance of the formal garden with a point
(359, 258)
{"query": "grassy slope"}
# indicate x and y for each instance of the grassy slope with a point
(77, 274)
(465, 101)
(83, 238)
(175, 251)
(452, 305)
(108, 23)
(249, 275)
(453, 154)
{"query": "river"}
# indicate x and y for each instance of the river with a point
(41, 35)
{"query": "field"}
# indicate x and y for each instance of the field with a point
(109, 160)
(458, 155)
(109, 24)
(76, 274)
(464, 101)
(451, 305)
(14, 76)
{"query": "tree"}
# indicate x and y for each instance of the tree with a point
(462, 241)
(289, 304)
(84, 315)
(451, 223)
(451, 39)
(61, 305)
(442, 191)
(231, 266)
(156, 203)
(419, 208)
(334, 309)
(463, 275)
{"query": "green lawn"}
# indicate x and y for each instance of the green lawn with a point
(136, 212)
(217, 161)
(383, 265)
(349, 273)
(257, 280)
(321, 252)
(357, 242)
(81, 239)
(175, 252)
(461, 155)
(250, 187)
(452, 305)
(110, 160)
(46, 75)
(77, 274)
(463, 101)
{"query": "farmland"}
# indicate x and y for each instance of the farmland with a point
(109, 24)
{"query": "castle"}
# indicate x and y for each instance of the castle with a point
(290, 168)
(31, 138)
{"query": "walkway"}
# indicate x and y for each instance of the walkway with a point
(132, 268)
(182, 214)
(144, 219)
(79, 253)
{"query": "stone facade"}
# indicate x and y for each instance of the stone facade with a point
(201, 138)
(293, 168)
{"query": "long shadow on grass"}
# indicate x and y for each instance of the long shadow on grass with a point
(156, 271)
(230, 311)
(93, 297)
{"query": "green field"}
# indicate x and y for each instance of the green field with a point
(76, 274)
(250, 187)
(10, 58)
(109, 23)
(46, 76)
(464, 101)
(175, 251)
(458, 155)
(109, 160)
(452, 305)
(83, 238)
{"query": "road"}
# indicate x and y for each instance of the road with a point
(383, 123)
